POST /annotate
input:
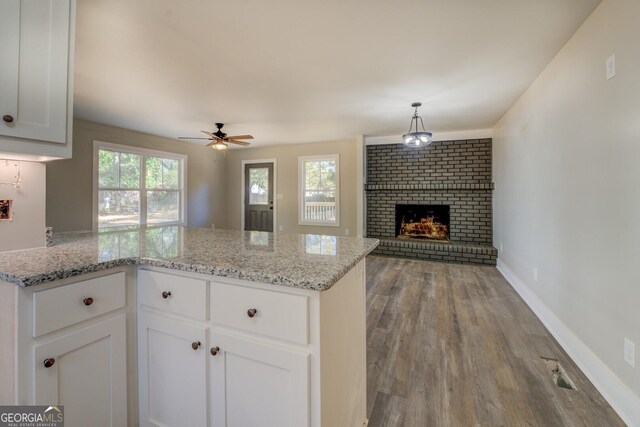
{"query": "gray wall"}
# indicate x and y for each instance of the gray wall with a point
(70, 182)
(287, 184)
(567, 199)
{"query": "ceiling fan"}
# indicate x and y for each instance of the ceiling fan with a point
(220, 139)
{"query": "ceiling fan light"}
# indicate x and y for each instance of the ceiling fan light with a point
(219, 145)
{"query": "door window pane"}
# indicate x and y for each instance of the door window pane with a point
(163, 206)
(118, 208)
(258, 186)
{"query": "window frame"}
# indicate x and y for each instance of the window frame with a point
(144, 153)
(302, 189)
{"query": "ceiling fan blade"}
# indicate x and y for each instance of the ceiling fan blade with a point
(188, 137)
(233, 141)
(210, 134)
(239, 137)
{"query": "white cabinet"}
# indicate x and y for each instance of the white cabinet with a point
(256, 384)
(172, 370)
(36, 82)
(86, 371)
(72, 345)
(270, 356)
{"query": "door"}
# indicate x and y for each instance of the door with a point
(172, 371)
(258, 197)
(34, 60)
(86, 371)
(255, 384)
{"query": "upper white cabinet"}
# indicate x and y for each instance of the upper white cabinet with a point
(36, 82)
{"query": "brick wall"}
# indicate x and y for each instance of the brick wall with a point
(454, 173)
(446, 162)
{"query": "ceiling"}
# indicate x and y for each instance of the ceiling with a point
(292, 71)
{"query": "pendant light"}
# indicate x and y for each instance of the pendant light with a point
(417, 137)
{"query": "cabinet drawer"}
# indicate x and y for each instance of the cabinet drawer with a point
(184, 296)
(277, 315)
(66, 305)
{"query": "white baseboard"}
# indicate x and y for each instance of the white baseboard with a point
(619, 396)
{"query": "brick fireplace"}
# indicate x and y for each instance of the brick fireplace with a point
(447, 184)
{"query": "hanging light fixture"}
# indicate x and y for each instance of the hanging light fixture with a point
(417, 137)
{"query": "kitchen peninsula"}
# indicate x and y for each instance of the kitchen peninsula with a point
(184, 326)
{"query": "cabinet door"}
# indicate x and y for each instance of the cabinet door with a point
(172, 371)
(33, 90)
(256, 384)
(87, 373)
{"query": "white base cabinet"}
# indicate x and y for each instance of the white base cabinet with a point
(172, 371)
(67, 343)
(271, 356)
(86, 371)
(158, 347)
(255, 384)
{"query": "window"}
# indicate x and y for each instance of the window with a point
(137, 186)
(319, 190)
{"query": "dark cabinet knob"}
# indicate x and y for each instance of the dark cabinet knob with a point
(252, 312)
(49, 362)
(195, 345)
(215, 350)
(166, 294)
(87, 301)
(7, 118)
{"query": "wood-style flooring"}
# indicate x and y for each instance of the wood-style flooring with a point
(454, 345)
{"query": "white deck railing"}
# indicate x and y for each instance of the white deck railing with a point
(320, 211)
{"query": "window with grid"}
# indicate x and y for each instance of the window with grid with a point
(319, 190)
(138, 186)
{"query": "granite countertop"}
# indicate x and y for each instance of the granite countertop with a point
(298, 260)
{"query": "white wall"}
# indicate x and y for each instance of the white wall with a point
(567, 198)
(27, 228)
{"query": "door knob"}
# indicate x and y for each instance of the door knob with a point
(49, 362)
(252, 312)
(7, 118)
(87, 301)
(166, 294)
(195, 345)
(215, 350)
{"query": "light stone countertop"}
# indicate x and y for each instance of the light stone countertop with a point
(304, 261)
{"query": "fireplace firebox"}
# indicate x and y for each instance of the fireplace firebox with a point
(430, 222)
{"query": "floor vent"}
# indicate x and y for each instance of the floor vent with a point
(558, 374)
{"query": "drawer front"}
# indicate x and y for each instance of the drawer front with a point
(180, 295)
(66, 305)
(277, 315)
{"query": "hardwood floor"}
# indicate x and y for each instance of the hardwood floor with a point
(454, 345)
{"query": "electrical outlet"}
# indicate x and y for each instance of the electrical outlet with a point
(630, 352)
(346, 231)
(280, 228)
(213, 226)
(501, 247)
(611, 67)
(535, 274)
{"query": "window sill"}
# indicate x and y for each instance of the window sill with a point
(322, 224)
